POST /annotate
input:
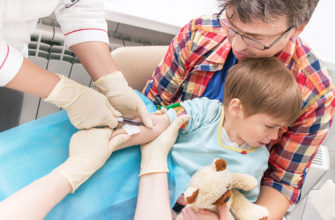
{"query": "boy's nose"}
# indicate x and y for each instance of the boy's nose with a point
(274, 135)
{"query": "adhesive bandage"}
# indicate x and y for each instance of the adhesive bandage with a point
(131, 129)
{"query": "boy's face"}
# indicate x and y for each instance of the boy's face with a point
(258, 129)
(266, 33)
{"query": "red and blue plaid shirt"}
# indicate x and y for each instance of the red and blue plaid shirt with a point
(201, 48)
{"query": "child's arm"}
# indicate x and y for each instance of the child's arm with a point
(202, 111)
(160, 122)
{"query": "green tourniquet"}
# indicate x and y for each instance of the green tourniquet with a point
(173, 105)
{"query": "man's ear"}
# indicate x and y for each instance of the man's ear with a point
(298, 29)
(235, 108)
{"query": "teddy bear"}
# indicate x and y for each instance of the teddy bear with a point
(215, 184)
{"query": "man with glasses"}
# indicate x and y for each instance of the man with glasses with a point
(198, 60)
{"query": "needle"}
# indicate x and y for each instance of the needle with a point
(129, 121)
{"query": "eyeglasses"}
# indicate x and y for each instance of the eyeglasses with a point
(248, 40)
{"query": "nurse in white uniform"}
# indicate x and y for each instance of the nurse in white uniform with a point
(85, 32)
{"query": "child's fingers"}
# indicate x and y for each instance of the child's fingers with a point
(181, 200)
(161, 111)
(224, 212)
(205, 211)
(189, 214)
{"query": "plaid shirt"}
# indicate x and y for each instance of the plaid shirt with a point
(201, 48)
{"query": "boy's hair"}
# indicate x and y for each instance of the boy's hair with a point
(264, 85)
(297, 11)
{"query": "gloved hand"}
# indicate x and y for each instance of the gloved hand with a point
(154, 154)
(85, 107)
(89, 150)
(122, 97)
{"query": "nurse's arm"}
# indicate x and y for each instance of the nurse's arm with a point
(37, 199)
(34, 80)
(96, 58)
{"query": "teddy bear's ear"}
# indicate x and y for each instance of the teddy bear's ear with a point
(191, 194)
(219, 164)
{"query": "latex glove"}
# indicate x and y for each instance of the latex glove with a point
(85, 107)
(154, 154)
(122, 97)
(89, 150)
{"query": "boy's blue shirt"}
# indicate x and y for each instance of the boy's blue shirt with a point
(204, 139)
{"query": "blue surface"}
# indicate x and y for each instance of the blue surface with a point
(32, 150)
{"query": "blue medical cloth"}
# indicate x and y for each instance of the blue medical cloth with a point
(32, 150)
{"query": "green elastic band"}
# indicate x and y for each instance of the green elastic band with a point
(173, 105)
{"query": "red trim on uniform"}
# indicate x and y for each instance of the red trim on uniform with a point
(86, 29)
(5, 57)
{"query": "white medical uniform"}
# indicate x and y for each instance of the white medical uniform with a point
(80, 21)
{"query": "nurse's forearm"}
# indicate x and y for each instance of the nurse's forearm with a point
(96, 58)
(153, 198)
(37, 199)
(34, 80)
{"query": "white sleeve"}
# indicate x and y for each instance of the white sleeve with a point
(11, 61)
(83, 21)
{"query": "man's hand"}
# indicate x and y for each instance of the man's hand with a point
(89, 150)
(85, 107)
(122, 97)
(274, 201)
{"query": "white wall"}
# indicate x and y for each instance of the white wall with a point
(170, 15)
(320, 32)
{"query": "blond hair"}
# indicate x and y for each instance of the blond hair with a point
(264, 85)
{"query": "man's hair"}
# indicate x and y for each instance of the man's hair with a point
(297, 11)
(264, 85)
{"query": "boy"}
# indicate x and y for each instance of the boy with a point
(261, 97)
(200, 56)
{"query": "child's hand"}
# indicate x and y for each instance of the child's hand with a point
(224, 212)
(204, 214)
(181, 200)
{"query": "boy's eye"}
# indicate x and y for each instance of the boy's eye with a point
(269, 126)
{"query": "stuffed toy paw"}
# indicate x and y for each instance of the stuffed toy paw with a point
(215, 184)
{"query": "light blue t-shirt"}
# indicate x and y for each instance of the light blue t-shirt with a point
(204, 139)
